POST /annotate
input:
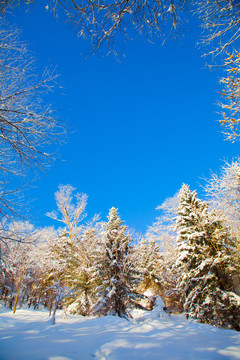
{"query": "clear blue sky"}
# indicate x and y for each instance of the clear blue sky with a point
(143, 126)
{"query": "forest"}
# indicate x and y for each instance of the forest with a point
(189, 256)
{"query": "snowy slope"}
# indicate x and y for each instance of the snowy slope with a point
(28, 335)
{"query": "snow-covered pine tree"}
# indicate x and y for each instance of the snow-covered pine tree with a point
(116, 288)
(205, 264)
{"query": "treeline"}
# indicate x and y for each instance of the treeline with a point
(189, 256)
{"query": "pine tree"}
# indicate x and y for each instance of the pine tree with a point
(116, 287)
(205, 264)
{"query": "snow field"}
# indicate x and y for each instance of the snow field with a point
(29, 335)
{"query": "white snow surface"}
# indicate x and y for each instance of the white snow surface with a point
(28, 335)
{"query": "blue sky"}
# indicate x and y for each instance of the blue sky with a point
(141, 126)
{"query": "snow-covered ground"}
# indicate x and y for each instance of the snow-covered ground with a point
(28, 335)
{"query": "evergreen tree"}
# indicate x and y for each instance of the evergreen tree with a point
(205, 264)
(116, 287)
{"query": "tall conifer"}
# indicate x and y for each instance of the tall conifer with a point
(115, 268)
(205, 264)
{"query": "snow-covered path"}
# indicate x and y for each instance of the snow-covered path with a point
(28, 335)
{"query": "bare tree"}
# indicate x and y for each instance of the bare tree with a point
(231, 97)
(27, 125)
(5, 5)
(17, 260)
(109, 22)
(221, 22)
(103, 22)
(106, 23)
(223, 191)
(70, 212)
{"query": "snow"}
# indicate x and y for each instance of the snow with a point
(28, 335)
(149, 292)
(235, 297)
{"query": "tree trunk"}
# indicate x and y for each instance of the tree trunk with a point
(236, 284)
(18, 290)
(54, 313)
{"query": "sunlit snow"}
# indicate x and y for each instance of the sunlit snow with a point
(29, 335)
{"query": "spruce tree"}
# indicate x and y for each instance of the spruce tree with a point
(205, 264)
(115, 289)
